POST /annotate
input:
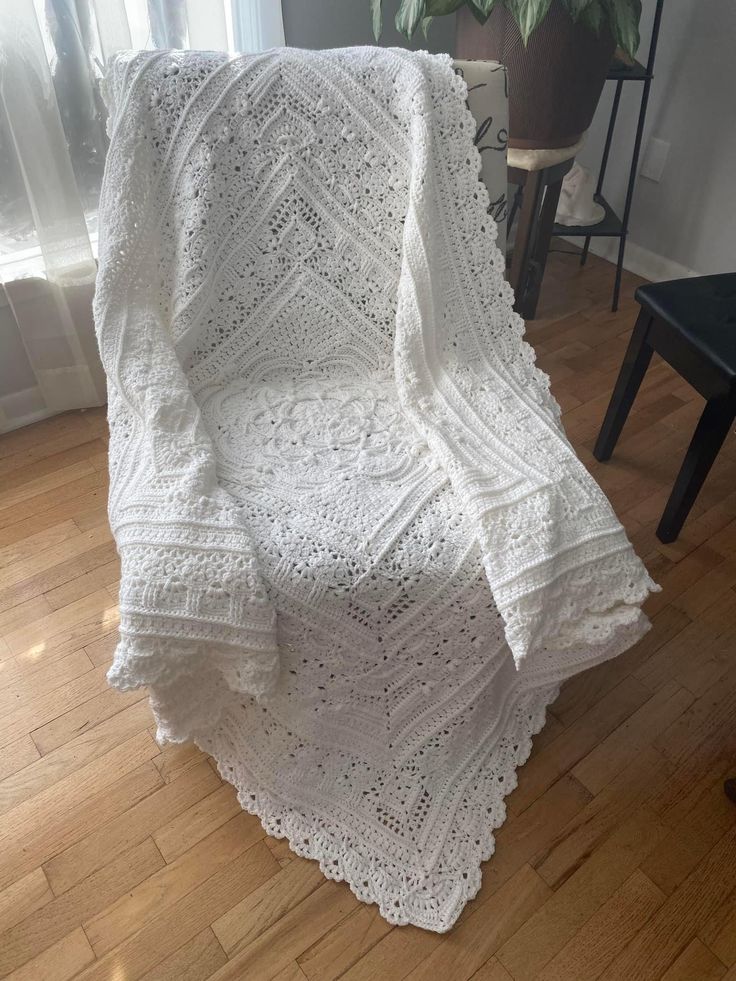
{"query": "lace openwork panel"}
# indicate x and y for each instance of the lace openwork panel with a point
(358, 552)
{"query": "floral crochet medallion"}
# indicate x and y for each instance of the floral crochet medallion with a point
(358, 553)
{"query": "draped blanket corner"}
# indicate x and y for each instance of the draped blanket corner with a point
(358, 553)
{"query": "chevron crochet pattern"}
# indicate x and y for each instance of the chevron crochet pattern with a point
(358, 553)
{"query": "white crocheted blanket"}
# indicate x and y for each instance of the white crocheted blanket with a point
(358, 552)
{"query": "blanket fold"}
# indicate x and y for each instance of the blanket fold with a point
(196, 621)
(358, 552)
(560, 566)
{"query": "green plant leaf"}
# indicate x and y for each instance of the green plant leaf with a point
(485, 6)
(438, 8)
(576, 7)
(624, 17)
(528, 14)
(377, 15)
(592, 16)
(426, 21)
(409, 16)
(476, 10)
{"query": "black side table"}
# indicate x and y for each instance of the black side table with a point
(691, 323)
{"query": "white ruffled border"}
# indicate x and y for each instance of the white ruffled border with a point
(309, 839)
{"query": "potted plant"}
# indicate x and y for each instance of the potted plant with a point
(556, 52)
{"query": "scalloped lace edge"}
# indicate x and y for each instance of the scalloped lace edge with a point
(310, 840)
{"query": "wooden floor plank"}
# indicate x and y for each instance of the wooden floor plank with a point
(20, 614)
(19, 476)
(196, 960)
(332, 956)
(25, 681)
(120, 712)
(176, 758)
(60, 916)
(606, 933)
(12, 497)
(166, 932)
(38, 829)
(51, 704)
(19, 900)
(47, 433)
(60, 962)
(589, 828)
(696, 961)
(242, 924)
(186, 830)
(459, 955)
(129, 828)
(104, 575)
(584, 690)
(101, 651)
(69, 437)
(65, 630)
(37, 541)
(492, 970)
(719, 931)
(291, 935)
(545, 933)
(162, 891)
(534, 831)
(685, 846)
(625, 743)
(67, 760)
(577, 741)
(666, 935)
(43, 510)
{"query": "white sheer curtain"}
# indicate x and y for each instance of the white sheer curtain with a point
(52, 151)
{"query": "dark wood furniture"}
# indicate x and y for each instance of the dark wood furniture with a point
(691, 323)
(540, 195)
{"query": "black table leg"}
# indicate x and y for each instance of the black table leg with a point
(538, 260)
(584, 253)
(636, 361)
(525, 235)
(715, 422)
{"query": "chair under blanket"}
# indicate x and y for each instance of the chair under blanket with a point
(358, 553)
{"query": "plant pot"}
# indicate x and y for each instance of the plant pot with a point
(554, 82)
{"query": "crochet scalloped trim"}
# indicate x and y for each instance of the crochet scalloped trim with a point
(311, 838)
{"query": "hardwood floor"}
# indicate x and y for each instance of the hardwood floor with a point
(120, 861)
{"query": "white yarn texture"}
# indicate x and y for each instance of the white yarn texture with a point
(358, 552)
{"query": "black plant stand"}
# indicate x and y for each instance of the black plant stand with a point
(612, 226)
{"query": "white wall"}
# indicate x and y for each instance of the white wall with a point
(688, 219)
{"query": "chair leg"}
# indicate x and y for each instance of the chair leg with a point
(523, 244)
(538, 260)
(636, 361)
(712, 429)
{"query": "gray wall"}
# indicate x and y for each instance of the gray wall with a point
(689, 216)
(342, 23)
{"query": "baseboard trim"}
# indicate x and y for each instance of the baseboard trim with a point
(639, 260)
